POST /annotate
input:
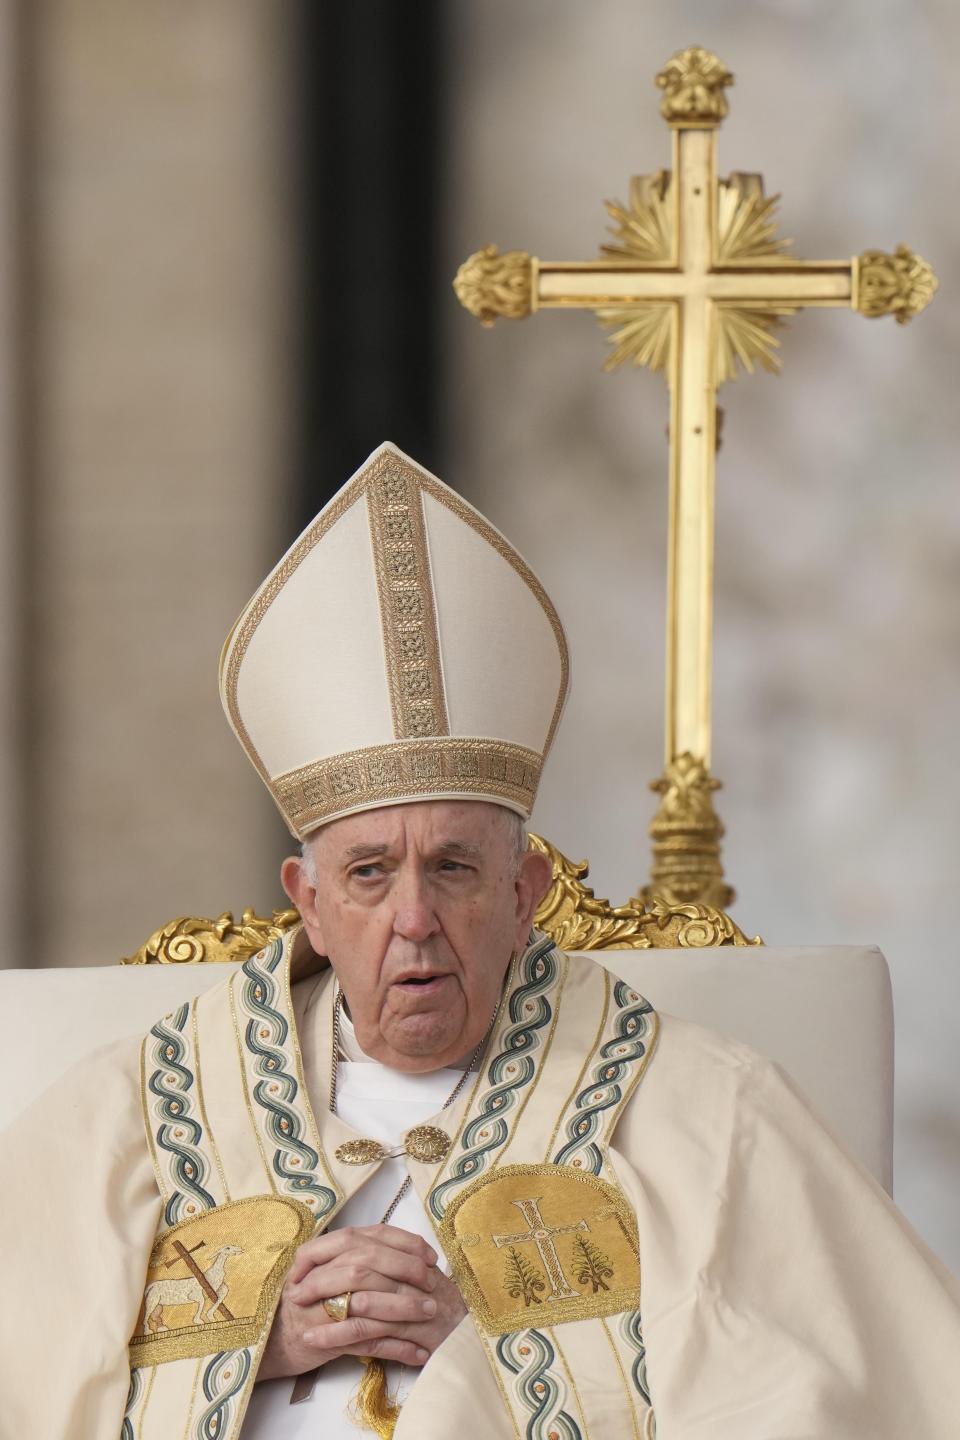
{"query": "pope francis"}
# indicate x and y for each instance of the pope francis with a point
(412, 1168)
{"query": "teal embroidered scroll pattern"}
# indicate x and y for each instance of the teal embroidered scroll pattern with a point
(270, 956)
(178, 1133)
(530, 1011)
(134, 1396)
(630, 1329)
(528, 1356)
(632, 1031)
(223, 1381)
(276, 1091)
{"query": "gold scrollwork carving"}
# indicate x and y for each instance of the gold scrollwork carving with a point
(693, 83)
(194, 940)
(901, 284)
(491, 285)
(577, 919)
(694, 927)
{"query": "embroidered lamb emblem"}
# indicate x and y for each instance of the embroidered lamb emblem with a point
(206, 1289)
(212, 1282)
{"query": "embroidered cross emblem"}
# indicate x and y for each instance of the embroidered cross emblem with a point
(542, 1236)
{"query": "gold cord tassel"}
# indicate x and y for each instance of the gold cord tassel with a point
(375, 1410)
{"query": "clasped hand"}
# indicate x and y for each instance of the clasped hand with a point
(401, 1305)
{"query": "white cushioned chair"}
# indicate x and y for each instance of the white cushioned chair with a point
(824, 1014)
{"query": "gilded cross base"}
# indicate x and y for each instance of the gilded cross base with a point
(686, 833)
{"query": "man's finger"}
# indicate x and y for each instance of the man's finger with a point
(393, 1308)
(359, 1330)
(323, 1248)
(367, 1266)
(402, 1239)
(324, 1281)
(404, 1352)
(409, 1308)
(365, 1337)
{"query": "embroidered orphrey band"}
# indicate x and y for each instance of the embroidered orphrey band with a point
(407, 612)
(448, 765)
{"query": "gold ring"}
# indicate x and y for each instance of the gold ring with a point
(338, 1306)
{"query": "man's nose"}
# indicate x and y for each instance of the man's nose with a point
(414, 917)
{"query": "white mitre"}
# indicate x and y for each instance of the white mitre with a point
(401, 650)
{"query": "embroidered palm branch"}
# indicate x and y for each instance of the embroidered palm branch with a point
(590, 1265)
(523, 1278)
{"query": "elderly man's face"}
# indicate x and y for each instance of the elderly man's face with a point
(418, 908)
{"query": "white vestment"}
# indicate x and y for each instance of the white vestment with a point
(783, 1296)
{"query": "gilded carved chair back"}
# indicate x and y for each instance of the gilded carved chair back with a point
(569, 913)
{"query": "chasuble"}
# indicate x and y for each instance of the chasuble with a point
(653, 1234)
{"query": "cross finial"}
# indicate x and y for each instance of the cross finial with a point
(490, 284)
(693, 82)
(901, 284)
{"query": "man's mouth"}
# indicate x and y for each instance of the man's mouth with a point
(420, 984)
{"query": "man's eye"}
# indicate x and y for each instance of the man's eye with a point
(452, 865)
(367, 872)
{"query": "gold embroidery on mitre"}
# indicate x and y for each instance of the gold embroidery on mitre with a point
(445, 765)
(408, 615)
(212, 1281)
(542, 1245)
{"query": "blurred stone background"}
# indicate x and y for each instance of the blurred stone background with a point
(153, 312)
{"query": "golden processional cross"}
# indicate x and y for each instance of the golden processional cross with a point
(695, 283)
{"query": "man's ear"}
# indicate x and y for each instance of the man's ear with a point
(294, 879)
(533, 881)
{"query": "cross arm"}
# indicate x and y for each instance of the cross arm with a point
(499, 1240)
(515, 284)
(600, 284)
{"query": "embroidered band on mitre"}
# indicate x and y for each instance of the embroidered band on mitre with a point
(401, 650)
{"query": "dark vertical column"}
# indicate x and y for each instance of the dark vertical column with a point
(371, 179)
